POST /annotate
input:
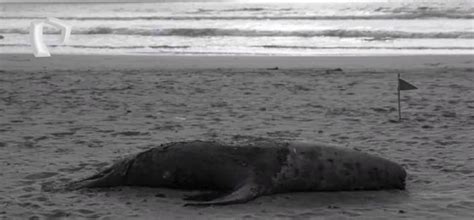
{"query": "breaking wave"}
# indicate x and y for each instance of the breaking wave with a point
(201, 32)
(103, 47)
(409, 16)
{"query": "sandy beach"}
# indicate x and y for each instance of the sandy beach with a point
(65, 117)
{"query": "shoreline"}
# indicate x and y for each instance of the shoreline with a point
(27, 62)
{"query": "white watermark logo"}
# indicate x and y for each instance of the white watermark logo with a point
(36, 35)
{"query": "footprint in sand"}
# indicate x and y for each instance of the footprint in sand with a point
(432, 64)
(130, 133)
(63, 134)
(41, 175)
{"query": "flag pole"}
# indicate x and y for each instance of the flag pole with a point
(399, 108)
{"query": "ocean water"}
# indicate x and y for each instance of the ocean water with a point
(210, 28)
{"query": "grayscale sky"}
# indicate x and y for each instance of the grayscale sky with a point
(89, 1)
(86, 1)
(269, 1)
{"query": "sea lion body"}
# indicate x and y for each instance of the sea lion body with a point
(243, 173)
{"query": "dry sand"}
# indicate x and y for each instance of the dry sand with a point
(65, 117)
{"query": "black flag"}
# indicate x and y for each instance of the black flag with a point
(404, 85)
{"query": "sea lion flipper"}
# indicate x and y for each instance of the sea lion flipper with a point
(245, 193)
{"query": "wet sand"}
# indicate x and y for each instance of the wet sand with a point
(65, 117)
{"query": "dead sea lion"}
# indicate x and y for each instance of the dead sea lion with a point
(243, 173)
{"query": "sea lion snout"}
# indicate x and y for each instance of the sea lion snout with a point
(397, 175)
(402, 175)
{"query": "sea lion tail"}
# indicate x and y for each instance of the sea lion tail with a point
(114, 175)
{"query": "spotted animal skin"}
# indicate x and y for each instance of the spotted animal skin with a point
(240, 173)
